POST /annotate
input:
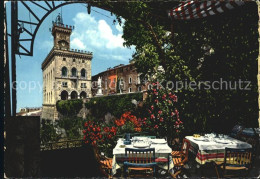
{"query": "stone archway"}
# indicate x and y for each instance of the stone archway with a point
(73, 95)
(64, 95)
(83, 95)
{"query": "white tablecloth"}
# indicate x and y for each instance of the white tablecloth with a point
(212, 150)
(215, 145)
(161, 151)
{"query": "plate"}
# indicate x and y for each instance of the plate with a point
(199, 138)
(221, 141)
(159, 141)
(141, 145)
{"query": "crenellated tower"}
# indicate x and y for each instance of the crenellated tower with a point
(66, 71)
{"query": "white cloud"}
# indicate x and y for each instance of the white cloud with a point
(96, 33)
(77, 43)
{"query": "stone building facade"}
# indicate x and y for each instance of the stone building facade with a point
(66, 72)
(120, 79)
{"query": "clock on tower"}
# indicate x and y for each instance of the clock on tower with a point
(61, 34)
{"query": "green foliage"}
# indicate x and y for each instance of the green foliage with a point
(69, 107)
(48, 132)
(73, 126)
(231, 49)
(116, 104)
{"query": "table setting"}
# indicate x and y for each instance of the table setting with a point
(162, 151)
(211, 147)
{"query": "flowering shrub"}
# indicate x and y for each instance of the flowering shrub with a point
(103, 136)
(128, 123)
(92, 133)
(162, 118)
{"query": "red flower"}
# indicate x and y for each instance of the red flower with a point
(156, 126)
(152, 107)
(160, 112)
(161, 119)
(152, 116)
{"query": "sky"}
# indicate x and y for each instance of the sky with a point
(94, 32)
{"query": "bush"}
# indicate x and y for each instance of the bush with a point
(48, 132)
(162, 117)
(72, 126)
(69, 107)
(116, 104)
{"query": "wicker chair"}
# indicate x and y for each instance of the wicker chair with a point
(104, 163)
(184, 148)
(180, 158)
(236, 160)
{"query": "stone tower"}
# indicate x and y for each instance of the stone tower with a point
(66, 71)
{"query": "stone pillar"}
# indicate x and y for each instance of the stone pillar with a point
(258, 75)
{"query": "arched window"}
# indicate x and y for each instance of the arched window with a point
(73, 72)
(64, 95)
(83, 94)
(83, 73)
(64, 72)
(74, 95)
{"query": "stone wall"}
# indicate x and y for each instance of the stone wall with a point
(48, 112)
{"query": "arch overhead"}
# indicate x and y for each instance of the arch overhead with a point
(24, 46)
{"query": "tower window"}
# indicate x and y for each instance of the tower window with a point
(64, 59)
(64, 84)
(74, 60)
(130, 90)
(64, 72)
(139, 88)
(83, 85)
(73, 72)
(83, 73)
(83, 61)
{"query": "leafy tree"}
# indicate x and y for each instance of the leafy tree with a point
(221, 46)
